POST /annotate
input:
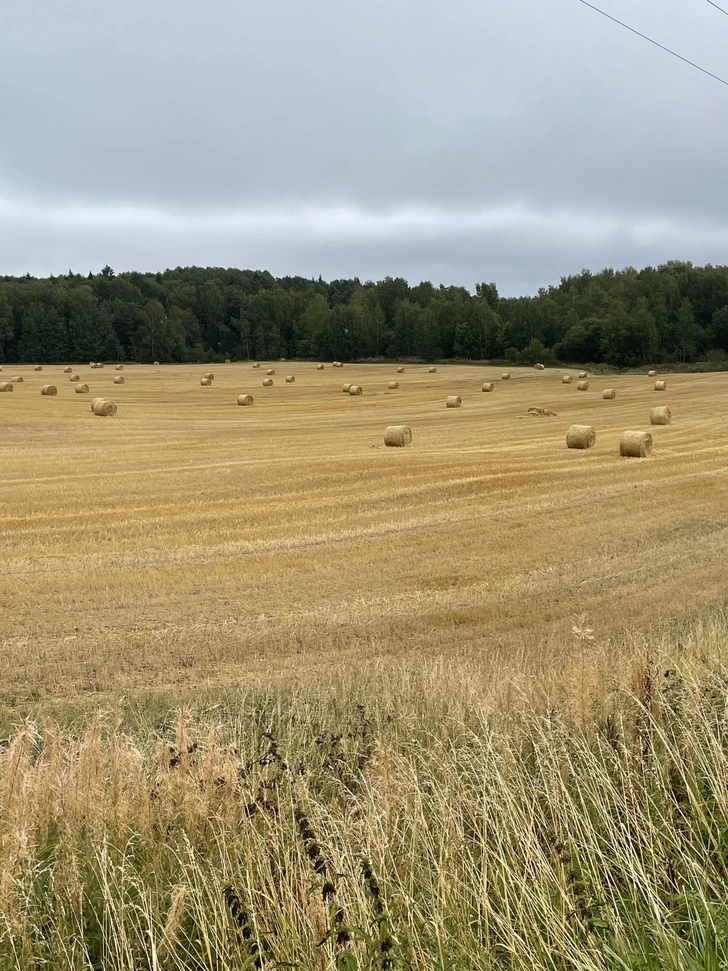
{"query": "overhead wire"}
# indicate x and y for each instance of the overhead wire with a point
(717, 7)
(656, 43)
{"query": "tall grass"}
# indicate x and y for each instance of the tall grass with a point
(413, 817)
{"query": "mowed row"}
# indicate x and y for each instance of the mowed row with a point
(190, 540)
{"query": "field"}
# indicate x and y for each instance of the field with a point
(459, 705)
(189, 540)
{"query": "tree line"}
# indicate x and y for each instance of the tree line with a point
(672, 313)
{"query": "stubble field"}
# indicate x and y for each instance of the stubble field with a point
(191, 541)
(274, 695)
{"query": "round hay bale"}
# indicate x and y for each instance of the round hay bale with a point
(81, 389)
(609, 393)
(319, 367)
(119, 379)
(256, 365)
(282, 360)
(119, 367)
(345, 388)
(271, 370)
(660, 385)
(156, 363)
(583, 374)
(74, 377)
(355, 389)
(453, 401)
(210, 375)
(636, 445)
(397, 436)
(400, 370)
(660, 416)
(18, 379)
(506, 376)
(432, 370)
(227, 360)
(393, 385)
(205, 382)
(67, 370)
(6, 386)
(104, 408)
(581, 436)
(94, 400)
(38, 367)
(245, 399)
(582, 386)
(651, 374)
(567, 379)
(92, 364)
(99, 364)
(290, 379)
(49, 389)
(488, 386)
(540, 367)
(267, 382)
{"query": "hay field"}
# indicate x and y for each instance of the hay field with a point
(191, 542)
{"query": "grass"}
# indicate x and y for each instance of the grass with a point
(272, 695)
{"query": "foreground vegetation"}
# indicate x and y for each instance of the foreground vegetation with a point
(435, 815)
(666, 314)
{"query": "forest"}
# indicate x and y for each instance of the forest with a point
(675, 313)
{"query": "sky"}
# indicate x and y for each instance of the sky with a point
(514, 141)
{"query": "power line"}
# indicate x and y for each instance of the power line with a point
(717, 7)
(661, 46)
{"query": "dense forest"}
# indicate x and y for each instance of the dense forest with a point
(624, 318)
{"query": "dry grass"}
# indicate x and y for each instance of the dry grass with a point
(191, 542)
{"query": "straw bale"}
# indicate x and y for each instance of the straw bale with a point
(432, 370)
(540, 367)
(245, 399)
(581, 436)
(453, 401)
(345, 388)
(6, 385)
(488, 386)
(660, 385)
(227, 360)
(582, 386)
(271, 370)
(637, 445)
(290, 379)
(400, 370)
(49, 389)
(67, 370)
(397, 436)
(541, 413)
(651, 374)
(567, 379)
(205, 382)
(267, 382)
(210, 375)
(355, 389)
(506, 376)
(38, 367)
(583, 374)
(119, 367)
(319, 367)
(105, 408)
(156, 363)
(119, 379)
(18, 379)
(81, 389)
(609, 393)
(660, 416)
(74, 377)
(393, 385)
(256, 365)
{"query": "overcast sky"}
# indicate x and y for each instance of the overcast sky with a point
(506, 140)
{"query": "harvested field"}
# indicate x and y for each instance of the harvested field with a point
(192, 542)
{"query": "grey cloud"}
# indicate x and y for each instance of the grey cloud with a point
(377, 107)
